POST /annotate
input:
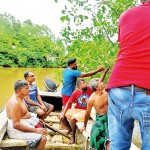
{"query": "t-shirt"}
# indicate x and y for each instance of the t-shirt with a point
(80, 98)
(69, 83)
(133, 63)
(33, 91)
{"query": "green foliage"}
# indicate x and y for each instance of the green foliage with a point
(28, 45)
(91, 38)
(89, 35)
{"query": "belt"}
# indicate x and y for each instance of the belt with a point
(135, 88)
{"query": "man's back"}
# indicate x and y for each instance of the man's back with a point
(134, 55)
(69, 83)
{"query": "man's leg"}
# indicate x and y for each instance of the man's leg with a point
(64, 124)
(42, 143)
(73, 127)
(120, 122)
(49, 107)
(108, 145)
(142, 114)
(77, 115)
(37, 110)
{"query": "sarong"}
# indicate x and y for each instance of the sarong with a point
(31, 138)
(99, 133)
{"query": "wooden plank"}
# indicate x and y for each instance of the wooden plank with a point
(3, 124)
(54, 114)
(50, 94)
(62, 146)
(13, 143)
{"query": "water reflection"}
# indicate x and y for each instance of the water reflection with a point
(9, 75)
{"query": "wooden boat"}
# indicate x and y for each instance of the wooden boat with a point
(55, 141)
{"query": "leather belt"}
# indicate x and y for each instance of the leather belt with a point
(136, 88)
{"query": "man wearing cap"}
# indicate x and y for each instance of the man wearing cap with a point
(70, 76)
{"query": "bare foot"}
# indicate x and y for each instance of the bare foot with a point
(72, 140)
(68, 131)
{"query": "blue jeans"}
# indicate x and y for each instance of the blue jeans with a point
(125, 106)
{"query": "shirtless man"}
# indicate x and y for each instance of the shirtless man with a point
(98, 100)
(20, 123)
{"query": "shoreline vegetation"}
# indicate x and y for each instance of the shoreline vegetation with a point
(25, 44)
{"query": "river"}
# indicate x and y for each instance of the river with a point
(9, 75)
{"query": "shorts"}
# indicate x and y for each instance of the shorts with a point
(65, 99)
(33, 109)
(78, 114)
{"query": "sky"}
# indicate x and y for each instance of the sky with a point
(40, 12)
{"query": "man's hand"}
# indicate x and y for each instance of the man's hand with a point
(100, 69)
(106, 69)
(82, 129)
(62, 116)
(40, 130)
(43, 108)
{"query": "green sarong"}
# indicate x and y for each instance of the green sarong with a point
(99, 133)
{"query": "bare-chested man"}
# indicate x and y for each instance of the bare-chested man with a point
(20, 123)
(98, 100)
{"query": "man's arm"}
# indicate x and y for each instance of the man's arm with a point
(88, 112)
(16, 120)
(91, 73)
(62, 115)
(42, 106)
(104, 74)
(31, 102)
(38, 97)
(68, 105)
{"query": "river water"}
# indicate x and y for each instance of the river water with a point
(9, 75)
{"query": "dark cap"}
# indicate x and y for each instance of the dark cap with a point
(71, 61)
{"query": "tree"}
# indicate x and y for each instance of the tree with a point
(91, 28)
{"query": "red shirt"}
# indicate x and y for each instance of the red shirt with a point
(80, 98)
(133, 62)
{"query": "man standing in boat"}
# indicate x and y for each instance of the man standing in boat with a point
(80, 98)
(20, 123)
(99, 136)
(34, 101)
(70, 76)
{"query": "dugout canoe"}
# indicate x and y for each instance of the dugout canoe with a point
(55, 141)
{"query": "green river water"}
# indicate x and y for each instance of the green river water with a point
(9, 75)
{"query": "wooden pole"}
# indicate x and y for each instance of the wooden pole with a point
(55, 130)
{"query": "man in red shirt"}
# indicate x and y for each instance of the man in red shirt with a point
(129, 83)
(73, 114)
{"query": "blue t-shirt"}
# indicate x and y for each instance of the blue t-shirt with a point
(69, 83)
(33, 91)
